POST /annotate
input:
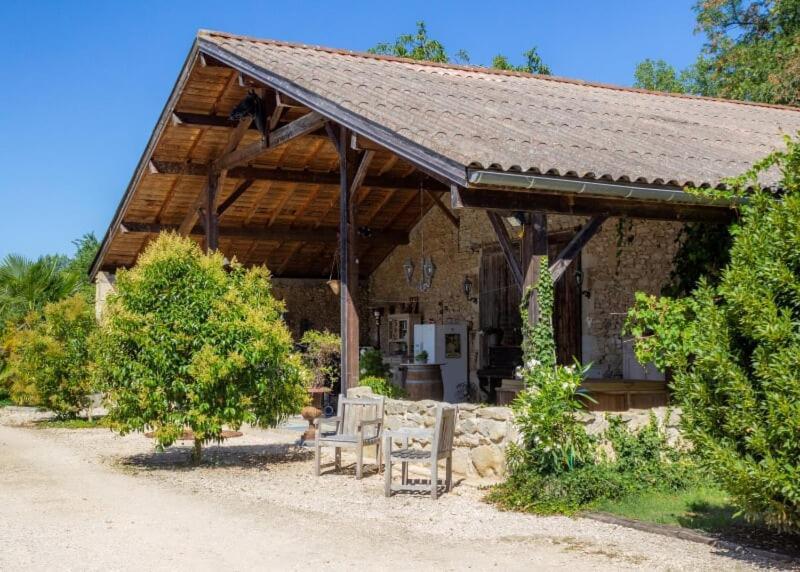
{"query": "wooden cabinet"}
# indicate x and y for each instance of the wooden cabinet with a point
(401, 333)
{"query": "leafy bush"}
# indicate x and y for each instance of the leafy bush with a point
(372, 364)
(49, 357)
(639, 462)
(322, 357)
(187, 343)
(734, 351)
(382, 386)
(558, 467)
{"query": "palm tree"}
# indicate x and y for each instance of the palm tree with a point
(27, 285)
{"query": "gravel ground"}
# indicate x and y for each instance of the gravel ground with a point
(90, 499)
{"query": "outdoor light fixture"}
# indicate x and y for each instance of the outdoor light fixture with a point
(467, 286)
(408, 268)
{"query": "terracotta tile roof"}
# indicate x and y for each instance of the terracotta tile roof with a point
(480, 118)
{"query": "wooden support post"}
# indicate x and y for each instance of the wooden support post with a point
(534, 248)
(352, 168)
(210, 212)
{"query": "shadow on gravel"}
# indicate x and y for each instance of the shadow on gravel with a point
(222, 456)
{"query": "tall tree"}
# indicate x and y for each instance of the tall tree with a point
(420, 46)
(752, 53)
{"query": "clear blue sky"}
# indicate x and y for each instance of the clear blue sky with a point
(83, 83)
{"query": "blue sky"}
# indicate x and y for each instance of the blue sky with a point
(84, 82)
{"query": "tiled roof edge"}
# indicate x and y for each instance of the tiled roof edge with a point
(492, 71)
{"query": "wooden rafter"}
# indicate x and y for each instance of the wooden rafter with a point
(297, 128)
(275, 233)
(505, 245)
(574, 247)
(234, 196)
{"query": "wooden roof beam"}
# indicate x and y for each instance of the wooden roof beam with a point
(410, 183)
(584, 205)
(297, 128)
(274, 233)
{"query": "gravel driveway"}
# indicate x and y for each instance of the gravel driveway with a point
(89, 499)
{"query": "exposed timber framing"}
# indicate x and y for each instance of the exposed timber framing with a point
(274, 233)
(506, 246)
(211, 221)
(352, 170)
(584, 205)
(234, 196)
(408, 183)
(234, 139)
(574, 247)
(297, 128)
(432, 163)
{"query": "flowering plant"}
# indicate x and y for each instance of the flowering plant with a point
(553, 440)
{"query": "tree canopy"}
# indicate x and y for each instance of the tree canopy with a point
(420, 46)
(752, 53)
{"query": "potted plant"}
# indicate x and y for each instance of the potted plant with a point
(421, 357)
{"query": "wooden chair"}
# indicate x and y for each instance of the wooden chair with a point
(441, 438)
(358, 423)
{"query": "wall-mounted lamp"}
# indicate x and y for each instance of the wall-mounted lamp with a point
(579, 284)
(467, 288)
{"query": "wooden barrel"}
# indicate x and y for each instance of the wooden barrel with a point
(424, 381)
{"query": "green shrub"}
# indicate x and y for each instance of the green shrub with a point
(49, 357)
(558, 467)
(734, 351)
(189, 343)
(382, 386)
(372, 364)
(639, 462)
(322, 357)
(553, 439)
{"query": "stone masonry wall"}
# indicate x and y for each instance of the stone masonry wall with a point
(621, 259)
(483, 433)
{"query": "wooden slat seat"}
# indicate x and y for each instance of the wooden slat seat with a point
(358, 423)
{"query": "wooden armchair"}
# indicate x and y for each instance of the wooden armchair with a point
(441, 438)
(358, 423)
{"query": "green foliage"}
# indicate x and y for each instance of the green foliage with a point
(657, 75)
(417, 46)
(74, 423)
(49, 357)
(640, 462)
(734, 351)
(533, 63)
(703, 251)
(372, 364)
(752, 52)
(382, 386)
(186, 342)
(553, 439)
(420, 46)
(322, 357)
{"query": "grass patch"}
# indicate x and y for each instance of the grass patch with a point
(78, 423)
(702, 508)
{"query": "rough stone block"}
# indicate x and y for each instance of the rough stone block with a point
(497, 413)
(488, 460)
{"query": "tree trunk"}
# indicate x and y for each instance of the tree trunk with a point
(197, 452)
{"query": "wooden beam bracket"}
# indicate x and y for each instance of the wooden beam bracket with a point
(506, 246)
(574, 247)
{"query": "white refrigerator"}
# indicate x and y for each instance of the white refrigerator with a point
(446, 345)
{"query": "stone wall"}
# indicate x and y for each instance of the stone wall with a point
(310, 304)
(483, 433)
(624, 257)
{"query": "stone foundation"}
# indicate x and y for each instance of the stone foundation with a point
(483, 433)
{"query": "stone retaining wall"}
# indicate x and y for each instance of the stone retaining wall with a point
(482, 433)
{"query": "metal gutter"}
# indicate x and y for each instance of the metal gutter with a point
(675, 195)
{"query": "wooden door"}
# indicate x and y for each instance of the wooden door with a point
(567, 311)
(499, 297)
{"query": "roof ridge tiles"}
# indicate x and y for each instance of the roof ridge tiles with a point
(490, 71)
